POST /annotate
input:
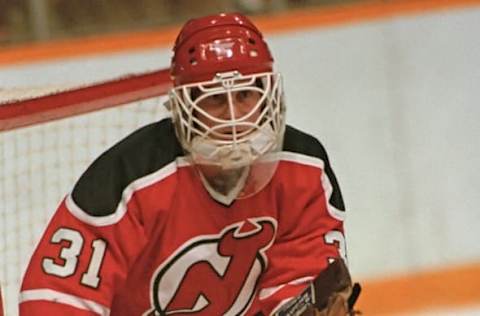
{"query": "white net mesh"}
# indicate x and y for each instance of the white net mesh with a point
(40, 164)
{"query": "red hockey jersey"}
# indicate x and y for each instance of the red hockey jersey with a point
(139, 235)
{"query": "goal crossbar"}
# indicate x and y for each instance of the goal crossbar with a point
(20, 113)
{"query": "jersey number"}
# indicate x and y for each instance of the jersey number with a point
(69, 254)
(336, 237)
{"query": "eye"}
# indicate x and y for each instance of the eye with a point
(247, 96)
(213, 103)
(218, 98)
(244, 94)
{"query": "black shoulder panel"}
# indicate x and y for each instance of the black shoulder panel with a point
(148, 149)
(299, 142)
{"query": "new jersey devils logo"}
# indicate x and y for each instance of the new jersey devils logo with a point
(214, 274)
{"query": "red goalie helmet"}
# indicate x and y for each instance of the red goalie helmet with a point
(227, 104)
(218, 43)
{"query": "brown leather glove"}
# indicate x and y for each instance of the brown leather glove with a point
(330, 294)
(335, 294)
(337, 306)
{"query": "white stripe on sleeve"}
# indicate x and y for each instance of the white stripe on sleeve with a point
(62, 298)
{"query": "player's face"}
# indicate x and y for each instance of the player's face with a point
(218, 106)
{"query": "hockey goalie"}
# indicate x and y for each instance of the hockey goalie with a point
(221, 209)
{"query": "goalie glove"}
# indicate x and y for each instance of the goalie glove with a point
(330, 294)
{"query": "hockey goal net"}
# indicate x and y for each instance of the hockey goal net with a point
(47, 139)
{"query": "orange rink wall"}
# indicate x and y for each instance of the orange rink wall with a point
(451, 287)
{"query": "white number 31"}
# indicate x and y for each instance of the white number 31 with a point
(69, 254)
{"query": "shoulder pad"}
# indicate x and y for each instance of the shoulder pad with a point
(150, 148)
(299, 142)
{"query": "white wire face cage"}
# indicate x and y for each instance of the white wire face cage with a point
(233, 141)
(259, 128)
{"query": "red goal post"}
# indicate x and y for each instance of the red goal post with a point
(1, 301)
(47, 141)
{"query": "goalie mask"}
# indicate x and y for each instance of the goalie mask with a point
(227, 104)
